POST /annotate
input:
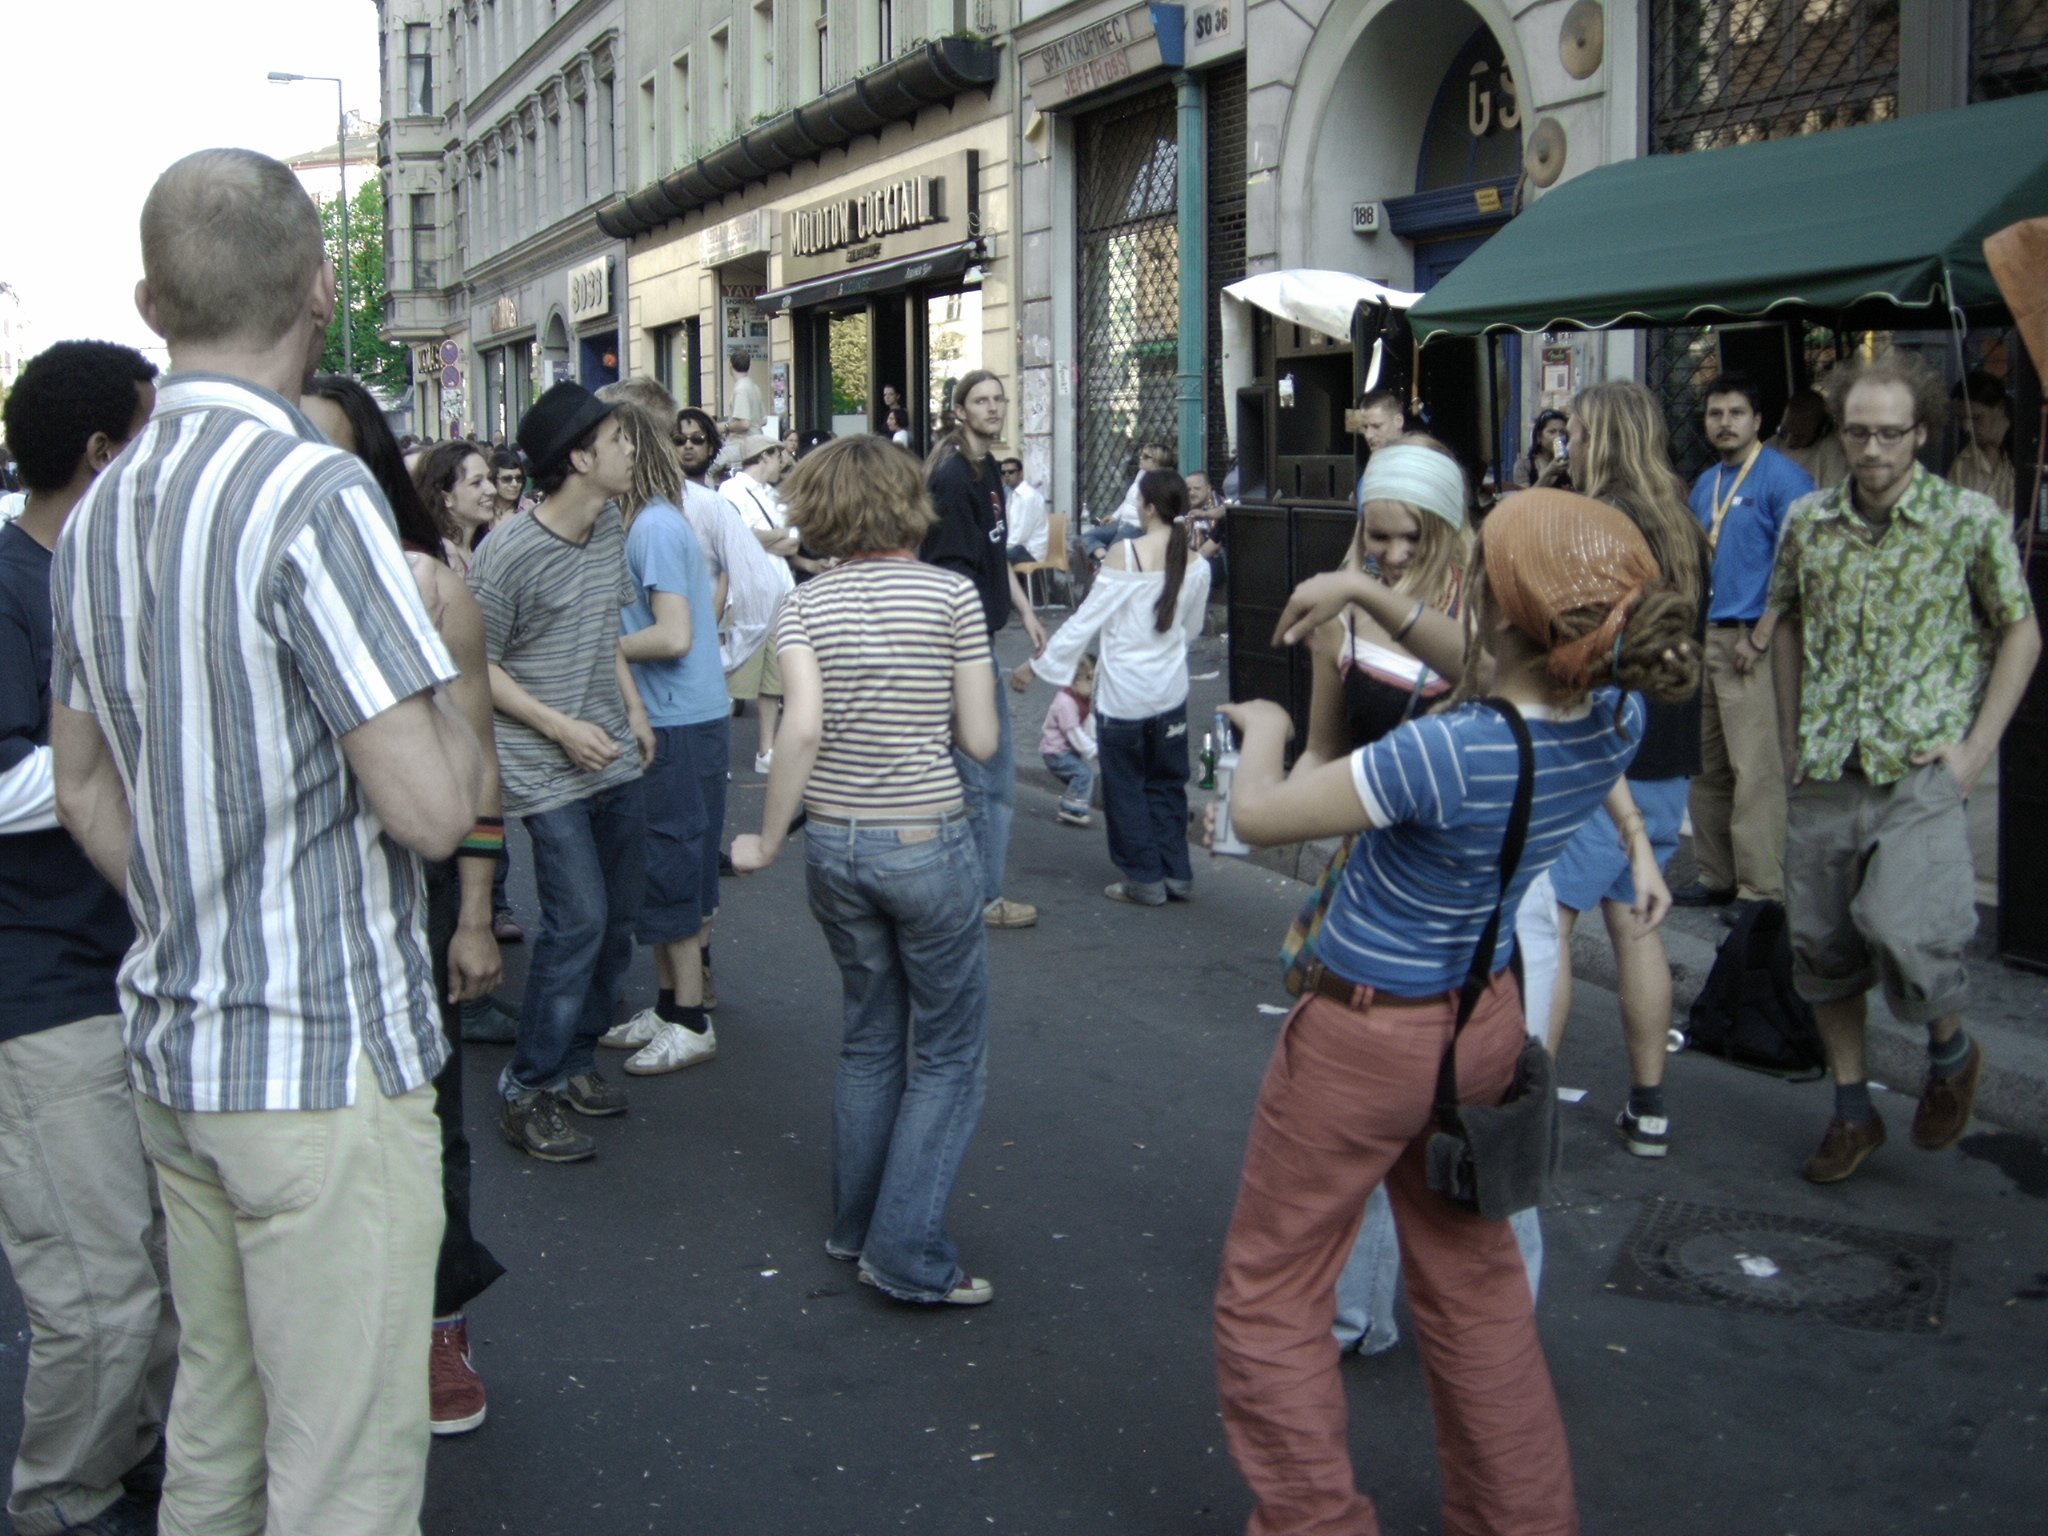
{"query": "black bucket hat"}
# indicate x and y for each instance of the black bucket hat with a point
(558, 421)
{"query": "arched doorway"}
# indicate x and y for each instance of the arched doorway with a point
(1412, 111)
(554, 352)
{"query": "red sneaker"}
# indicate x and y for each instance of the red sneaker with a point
(454, 1390)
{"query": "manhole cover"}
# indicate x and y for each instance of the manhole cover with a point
(1858, 1277)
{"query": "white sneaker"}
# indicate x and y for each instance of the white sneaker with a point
(634, 1033)
(763, 761)
(672, 1050)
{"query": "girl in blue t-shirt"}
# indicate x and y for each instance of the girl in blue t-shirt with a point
(1568, 610)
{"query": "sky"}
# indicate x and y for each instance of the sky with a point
(88, 121)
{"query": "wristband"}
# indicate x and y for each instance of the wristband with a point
(1402, 633)
(486, 840)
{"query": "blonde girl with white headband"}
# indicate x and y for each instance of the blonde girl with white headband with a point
(1382, 627)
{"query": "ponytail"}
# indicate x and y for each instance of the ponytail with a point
(1167, 495)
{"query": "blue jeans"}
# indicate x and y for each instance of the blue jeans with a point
(1076, 772)
(901, 910)
(1098, 539)
(1365, 1290)
(1145, 795)
(589, 871)
(990, 790)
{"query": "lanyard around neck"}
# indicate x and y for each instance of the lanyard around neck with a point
(1723, 503)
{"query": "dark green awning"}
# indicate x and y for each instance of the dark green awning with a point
(1873, 227)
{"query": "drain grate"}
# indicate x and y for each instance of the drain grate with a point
(1753, 1261)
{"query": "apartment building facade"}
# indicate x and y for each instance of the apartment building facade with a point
(825, 186)
(502, 135)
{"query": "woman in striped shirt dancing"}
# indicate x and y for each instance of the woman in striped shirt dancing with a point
(885, 666)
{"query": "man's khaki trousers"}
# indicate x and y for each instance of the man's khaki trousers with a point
(1738, 800)
(303, 1246)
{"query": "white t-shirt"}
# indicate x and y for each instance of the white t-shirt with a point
(747, 404)
(1029, 519)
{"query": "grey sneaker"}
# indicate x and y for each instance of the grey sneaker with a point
(592, 1093)
(489, 1021)
(537, 1127)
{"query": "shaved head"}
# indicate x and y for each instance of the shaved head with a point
(231, 245)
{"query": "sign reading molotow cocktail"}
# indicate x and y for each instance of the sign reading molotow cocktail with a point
(918, 209)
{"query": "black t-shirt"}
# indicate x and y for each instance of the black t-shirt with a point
(972, 533)
(63, 930)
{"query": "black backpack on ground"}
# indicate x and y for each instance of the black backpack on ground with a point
(1748, 1011)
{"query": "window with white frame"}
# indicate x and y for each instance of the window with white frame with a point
(721, 82)
(424, 240)
(649, 135)
(682, 140)
(419, 70)
(579, 151)
(818, 57)
(761, 100)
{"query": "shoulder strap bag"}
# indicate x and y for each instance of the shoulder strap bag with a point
(1497, 1159)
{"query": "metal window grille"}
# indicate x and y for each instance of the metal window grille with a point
(2008, 48)
(1737, 71)
(1224, 102)
(1128, 162)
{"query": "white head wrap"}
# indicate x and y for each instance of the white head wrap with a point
(1420, 477)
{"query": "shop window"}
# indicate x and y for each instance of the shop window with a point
(1128, 167)
(419, 70)
(518, 381)
(848, 340)
(2008, 48)
(952, 348)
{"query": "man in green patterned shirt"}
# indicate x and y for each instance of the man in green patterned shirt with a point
(1908, 638)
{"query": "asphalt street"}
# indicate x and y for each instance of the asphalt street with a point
(672, 1350)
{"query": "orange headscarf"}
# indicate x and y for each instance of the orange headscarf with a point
(1552, 552)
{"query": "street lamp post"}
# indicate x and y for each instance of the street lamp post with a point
(348, 339)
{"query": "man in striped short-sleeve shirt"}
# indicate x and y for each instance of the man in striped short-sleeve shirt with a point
(248, 743)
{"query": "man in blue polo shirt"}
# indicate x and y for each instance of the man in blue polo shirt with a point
(1738, 799)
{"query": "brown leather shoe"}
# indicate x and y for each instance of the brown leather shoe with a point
(1842, 1150)
(1945, 1104)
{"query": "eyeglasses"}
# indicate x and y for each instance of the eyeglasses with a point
(1891, 437)
(692, 439)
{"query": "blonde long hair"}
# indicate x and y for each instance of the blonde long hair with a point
(1626, 461)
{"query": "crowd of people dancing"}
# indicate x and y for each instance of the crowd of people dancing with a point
(276, 685)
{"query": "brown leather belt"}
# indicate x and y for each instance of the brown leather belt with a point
(1350, 994)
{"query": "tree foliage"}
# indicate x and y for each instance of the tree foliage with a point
(383, 365)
